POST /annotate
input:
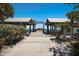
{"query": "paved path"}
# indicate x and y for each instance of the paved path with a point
(32, 46)
(38, 33)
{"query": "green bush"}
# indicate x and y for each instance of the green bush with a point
(11, 33)
(2, 40)
(75, 49)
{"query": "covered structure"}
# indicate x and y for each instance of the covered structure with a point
(76, 28)
(50, 23)
(20, 21)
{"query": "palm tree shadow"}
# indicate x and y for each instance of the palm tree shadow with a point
(50, 49)
(59, 41)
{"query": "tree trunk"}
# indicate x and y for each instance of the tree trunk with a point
(64, 32)
(72, 23)
(72, 31)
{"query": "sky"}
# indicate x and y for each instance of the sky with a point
(40, 11)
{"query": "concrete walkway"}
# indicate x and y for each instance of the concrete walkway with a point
(32, 46)
(38, 33)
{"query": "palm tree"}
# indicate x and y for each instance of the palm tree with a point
(73, 16)
(76, 6)
(6, 11)
(68, 26)
(34, 24)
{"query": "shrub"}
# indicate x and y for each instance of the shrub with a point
(11, 33)
(75, 49)
(2, 40)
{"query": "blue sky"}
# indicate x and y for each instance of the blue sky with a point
(41, 11)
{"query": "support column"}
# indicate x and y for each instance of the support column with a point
(43, 27)
(50, 29)
(47, 28)
(33, 28)
(30, 28)
(25, 27)
(55, 29)
(62, 29)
